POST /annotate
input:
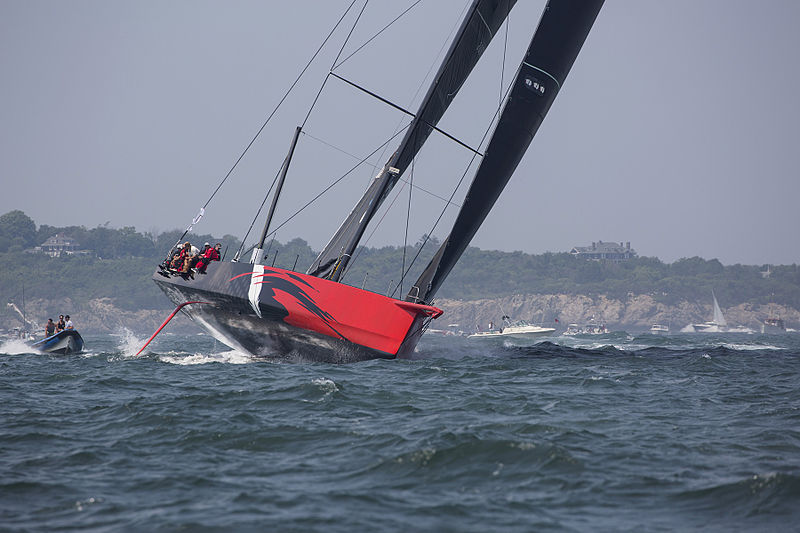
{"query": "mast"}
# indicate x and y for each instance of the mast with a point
(258, 251)
(481, 23)
(559, 37)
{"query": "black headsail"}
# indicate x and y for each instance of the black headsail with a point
(481, 23)
(555, 45)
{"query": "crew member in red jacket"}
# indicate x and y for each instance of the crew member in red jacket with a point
(212, 254)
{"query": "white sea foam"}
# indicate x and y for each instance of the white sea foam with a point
(232, 357)
(15, 347)
(327, 385)
(128, 343)
(746, 347)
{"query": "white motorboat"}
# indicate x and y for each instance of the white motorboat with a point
(520, 330)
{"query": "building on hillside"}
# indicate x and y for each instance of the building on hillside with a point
(59, 245)
(612, 251)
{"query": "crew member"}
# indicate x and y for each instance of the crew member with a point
(211, 254)
(49, 328)
(180, 257)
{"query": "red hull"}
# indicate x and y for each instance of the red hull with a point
(274, 312)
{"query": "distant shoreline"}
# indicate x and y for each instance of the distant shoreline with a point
(637, 313)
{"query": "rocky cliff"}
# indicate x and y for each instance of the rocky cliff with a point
(101, 316)
(637, 312)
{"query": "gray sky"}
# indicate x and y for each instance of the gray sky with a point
(677, 129)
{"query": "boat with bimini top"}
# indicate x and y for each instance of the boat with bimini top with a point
(275, 312)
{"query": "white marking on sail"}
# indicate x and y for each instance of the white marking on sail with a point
(543, 72)
(256, 279)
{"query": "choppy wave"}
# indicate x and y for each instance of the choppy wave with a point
(630, 432)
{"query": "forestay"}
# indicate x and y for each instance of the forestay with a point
(481, 23)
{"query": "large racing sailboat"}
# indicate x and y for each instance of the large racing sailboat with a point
(277, 313)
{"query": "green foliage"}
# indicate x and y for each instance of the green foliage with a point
(17, 230)
(124, 261)
(80, 278)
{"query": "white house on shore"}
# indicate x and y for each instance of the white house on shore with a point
(59, 245)
(613, 251)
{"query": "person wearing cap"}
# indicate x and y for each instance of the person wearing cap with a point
(210, 254)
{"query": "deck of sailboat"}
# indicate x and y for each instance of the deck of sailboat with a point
(273, 312)
(276, 313)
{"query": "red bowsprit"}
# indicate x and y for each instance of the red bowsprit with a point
(170, 317)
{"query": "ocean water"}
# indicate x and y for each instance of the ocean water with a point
(615, 433)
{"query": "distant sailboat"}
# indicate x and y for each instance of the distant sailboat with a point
(718, 323)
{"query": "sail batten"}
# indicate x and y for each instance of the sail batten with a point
(561, 32)
(479, 26)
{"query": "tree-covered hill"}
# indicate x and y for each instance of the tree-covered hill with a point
(122, 262)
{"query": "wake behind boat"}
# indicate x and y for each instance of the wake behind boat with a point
(64, 342)
(586, 329)
(273, 312)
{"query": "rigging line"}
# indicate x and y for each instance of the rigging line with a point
(283, 98)
(374, 165)
(264, 201)
(302, 72)
(505, 49)
(407, 112)
(377, 225)
(342, 150)
(436, 60)
(430, 193)
(357, 50)
(319, 93)
(358, 18)
(329, 187)
(458, 185)
(408, 217)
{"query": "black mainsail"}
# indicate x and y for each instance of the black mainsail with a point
(275, 313)
(559, 37)
(481, 23)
